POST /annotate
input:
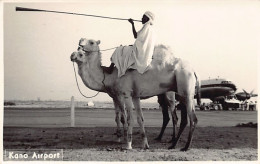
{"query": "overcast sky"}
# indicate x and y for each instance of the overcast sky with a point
(219, 39)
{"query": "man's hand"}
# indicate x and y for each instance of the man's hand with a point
(131, 21)
(133, 27)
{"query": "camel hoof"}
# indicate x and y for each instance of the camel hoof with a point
(145, 144)
(129, 146)
(171, 147)
(184, 149)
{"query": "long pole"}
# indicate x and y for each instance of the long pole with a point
(62, 12)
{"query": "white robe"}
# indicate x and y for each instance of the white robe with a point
(143, 47)
(138, 56)
(123, 59)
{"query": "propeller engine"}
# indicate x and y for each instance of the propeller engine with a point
(242, 96)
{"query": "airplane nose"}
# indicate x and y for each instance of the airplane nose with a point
(234, 87)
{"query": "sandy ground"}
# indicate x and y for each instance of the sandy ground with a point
(222, 142)
(98, 144)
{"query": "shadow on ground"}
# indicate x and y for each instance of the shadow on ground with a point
(104, 137)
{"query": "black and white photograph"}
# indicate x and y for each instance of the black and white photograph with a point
(130, 81)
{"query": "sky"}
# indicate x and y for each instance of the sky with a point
(218, 38)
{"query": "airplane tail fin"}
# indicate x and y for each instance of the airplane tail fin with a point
(198, 92)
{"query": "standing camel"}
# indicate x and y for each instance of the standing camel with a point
(167, 100)
(163, 76)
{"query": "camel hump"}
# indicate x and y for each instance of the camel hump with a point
(123, 58)
(162, 56)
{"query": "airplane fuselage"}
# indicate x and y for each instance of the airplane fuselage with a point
(217, 88)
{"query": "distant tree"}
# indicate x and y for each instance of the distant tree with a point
(9, 103)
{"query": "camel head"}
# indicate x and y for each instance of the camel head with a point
(88, 52)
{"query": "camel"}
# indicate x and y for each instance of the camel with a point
(170, 75)
(167, 100)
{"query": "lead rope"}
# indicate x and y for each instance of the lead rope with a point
(78, 85)
(102, 80)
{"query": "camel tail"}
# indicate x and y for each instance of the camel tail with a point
(198, 92)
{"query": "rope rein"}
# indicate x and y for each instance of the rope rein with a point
(78, 85)
(103, 74)
(101, 50)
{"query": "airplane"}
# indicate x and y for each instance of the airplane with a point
(217, 89)
(243, 96)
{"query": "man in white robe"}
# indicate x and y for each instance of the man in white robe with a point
(144, 44)
(141, 55)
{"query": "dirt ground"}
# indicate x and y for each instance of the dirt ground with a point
(98, 144)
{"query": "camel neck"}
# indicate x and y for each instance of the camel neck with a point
(92, 76)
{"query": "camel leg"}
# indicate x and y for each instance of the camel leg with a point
(130, 121)
(193, 121)
(117, 119)
(174, 123)
(171, 99)
(140, 120)
(183, 124)
(121, 105)
(124, 122)
(166, 118)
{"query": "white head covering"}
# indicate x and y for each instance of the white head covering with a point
(150, 15)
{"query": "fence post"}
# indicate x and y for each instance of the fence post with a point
(72, 113)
